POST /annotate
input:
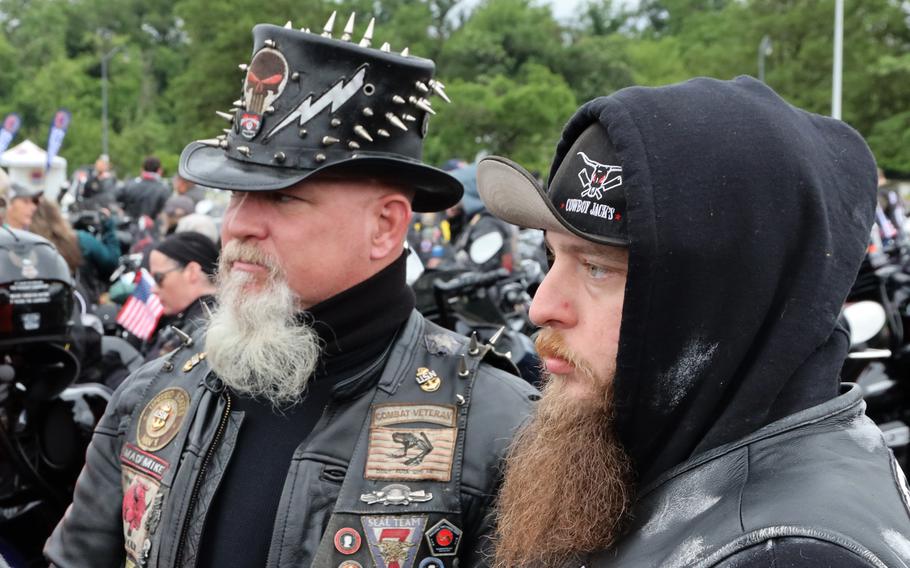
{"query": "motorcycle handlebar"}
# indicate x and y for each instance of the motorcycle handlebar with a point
(470, 280)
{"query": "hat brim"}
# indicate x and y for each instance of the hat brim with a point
(435, 190)
(511, 193)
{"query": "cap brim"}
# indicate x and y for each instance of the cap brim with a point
(511, 193)
(435, 190)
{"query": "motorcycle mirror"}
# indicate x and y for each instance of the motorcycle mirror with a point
(866, 319)
(485, 247)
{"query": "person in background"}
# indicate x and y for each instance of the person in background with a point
(175, 208)
(146, 194)
(199, 223)
(22, 202)
(91, 259)
(100, 189)
(183, 186)
(500, 238)
(183, 266)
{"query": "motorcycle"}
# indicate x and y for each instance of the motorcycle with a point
(877, 313)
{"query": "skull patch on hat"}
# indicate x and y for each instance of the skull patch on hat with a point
(265, 80)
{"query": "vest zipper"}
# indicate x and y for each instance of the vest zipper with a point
(197, 486)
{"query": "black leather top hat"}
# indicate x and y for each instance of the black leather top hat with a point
(311, 103)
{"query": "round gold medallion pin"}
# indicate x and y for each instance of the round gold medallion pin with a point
(428, 380)
(161, 418)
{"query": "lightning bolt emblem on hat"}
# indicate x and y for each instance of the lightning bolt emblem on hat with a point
(336, 96)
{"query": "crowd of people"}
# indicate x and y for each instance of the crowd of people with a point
(702, 238)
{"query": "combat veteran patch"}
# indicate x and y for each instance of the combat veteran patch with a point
(444, 538)
(393, 541)
(397, 452)
(161, 418)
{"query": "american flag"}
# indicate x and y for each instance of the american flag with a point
(142, 310)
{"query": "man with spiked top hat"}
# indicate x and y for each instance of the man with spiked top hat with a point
(704, 237)
(317, 419)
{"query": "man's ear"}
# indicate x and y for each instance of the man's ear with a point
(393, 216)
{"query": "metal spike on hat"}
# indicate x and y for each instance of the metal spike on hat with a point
(396, 121)
(226, 130)
(383, 132)
(320, 158)
(473, 345)
(327, 29)
(305, 30)
(367, 111)
(362, 132)
(243, 67)
(270, 43)
(245, 150)
(280, 157)
(422, 104)
(438, 89)
(353, 145)
(225, 115)
(329, 140)
(348, 29)
(211, 142)
(409, 118)
(288, 25)
(295, 76)
(422, 87)
(386, 47)
(368, 35)
(406, 52)
(398, 99)
(335, 122)
(238, 103)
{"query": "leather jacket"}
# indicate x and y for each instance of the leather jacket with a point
(817, 488)
(168, 433)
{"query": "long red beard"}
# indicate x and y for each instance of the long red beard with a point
(567, 480)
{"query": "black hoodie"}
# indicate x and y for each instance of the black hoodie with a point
(747, 219)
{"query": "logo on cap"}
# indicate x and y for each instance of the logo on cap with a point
(597, 179)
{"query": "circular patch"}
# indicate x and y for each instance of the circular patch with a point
(347, 540)
(350, 564)
(431, 563)
(444, 537)
(161, 418)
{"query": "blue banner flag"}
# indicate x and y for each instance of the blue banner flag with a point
(11, 125)
(55, 136)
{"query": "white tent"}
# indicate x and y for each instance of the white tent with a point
(25, 164)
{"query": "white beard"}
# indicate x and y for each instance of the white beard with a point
(254, 341)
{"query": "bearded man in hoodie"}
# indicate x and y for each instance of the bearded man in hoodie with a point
(704, 237)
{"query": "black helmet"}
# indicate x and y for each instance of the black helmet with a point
(36, 311)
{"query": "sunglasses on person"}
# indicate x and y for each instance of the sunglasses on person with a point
(159, 277)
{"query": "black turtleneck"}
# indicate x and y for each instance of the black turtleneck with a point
(355, 327)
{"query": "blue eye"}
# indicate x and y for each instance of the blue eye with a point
(595, 271)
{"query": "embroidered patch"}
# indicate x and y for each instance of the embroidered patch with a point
(393, 541)
(347, 540)
(139, 495)
(444, 538)
(389, 414)
(161, 418)
(404, 453)
(597, 179)
(143, 462)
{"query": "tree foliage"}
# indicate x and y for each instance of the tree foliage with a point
(514, 72)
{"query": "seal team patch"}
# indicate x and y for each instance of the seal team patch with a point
(161, 418)
(399, 452)
(393, 541)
